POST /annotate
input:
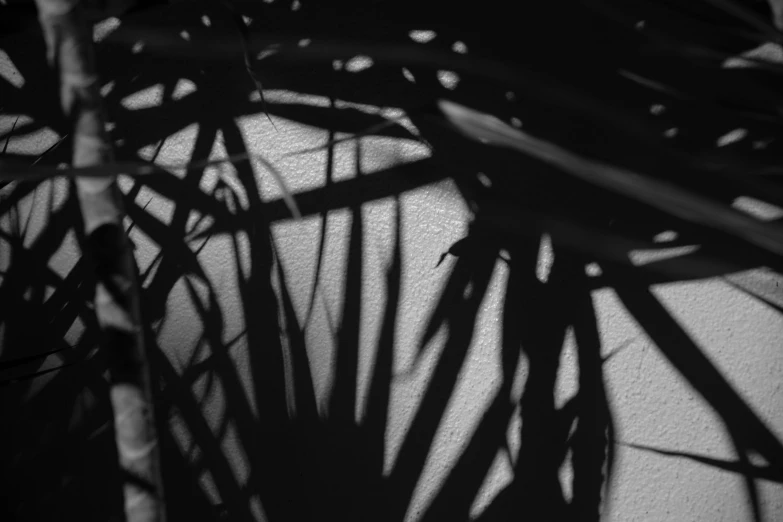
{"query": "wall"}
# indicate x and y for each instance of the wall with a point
(654, 406)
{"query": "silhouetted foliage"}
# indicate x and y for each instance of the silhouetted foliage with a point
(596, 124)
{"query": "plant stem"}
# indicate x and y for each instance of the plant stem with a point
(70, 49)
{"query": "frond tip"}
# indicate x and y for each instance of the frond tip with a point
(656, 193)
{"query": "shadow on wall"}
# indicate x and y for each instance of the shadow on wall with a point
(304, 454)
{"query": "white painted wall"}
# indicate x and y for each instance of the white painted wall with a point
(654, 406)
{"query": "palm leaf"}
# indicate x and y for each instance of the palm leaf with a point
(645, 189)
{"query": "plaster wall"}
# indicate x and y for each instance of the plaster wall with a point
(653, 405)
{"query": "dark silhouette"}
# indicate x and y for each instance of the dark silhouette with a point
(580, 74)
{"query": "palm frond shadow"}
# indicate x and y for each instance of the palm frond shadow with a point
(293, 454)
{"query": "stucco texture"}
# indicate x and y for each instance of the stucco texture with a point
(675, 459)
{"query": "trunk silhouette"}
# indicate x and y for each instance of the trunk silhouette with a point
(69, 45)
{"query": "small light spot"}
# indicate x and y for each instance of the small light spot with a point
(105, 28)
(731, 137)
(468, 291)
(757, 208)
(337, 65)
(516, 122)
(657, 109)
(137, 47)
(762, 144)
(593, 270)
(757, 459)
(408, 75)
(247, 20)
(268, 1)
(110, 126)
(511, 96)
(358, 63)
(9, 72)
(266, 53)
(206, 21)
(484, 179)
(640, 25)
(296, 5)
(422, 36)
(106, 89)
(767, 52)
(151, 96)
(182, 89)
(449, 79)
(643, 257)
(304, 42)
(185, 35)
(565, 475)
(735, 62)
(665, 236)
(255, 96)
(545, 259)
(459, 47)
(670, 133)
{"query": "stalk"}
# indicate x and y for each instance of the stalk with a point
(70, 50)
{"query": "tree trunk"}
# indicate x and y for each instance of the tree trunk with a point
(70, 49)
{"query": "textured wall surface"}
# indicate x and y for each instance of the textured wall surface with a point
(653, 405)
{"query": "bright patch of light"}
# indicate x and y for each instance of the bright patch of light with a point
(566, 477)
(358, 63)
(144, 99)
(266, 53)
(593, 270)
(758, 209)
(459, 47)
(9, 72)
(766, 52)
(449, 79)
(643, 257)
(665, 236)
(422, 36)
(106, 89)
(732, 137)
(105, 28)
(29, 143)
(282, 96)
(183, 88)
(546, 258)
